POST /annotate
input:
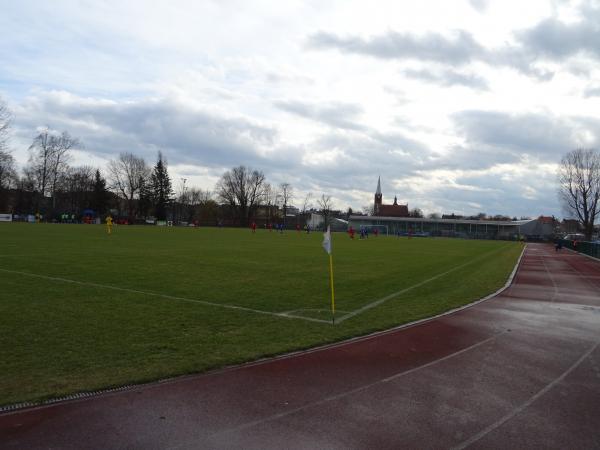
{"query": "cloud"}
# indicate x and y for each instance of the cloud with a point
(557, 40)
(524, 190)
(457, 50)
(337, 115)
(479, 5)
(186, 134)
(460, 49)
(362, 140)
(448, 78)
(592, 91)
(527, 133)
(342, 161)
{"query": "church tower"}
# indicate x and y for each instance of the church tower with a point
(378, 198)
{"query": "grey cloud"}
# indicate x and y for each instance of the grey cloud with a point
(479, 5)
(557, 40)
(459, 50)
(448, 78)
(338, 115)
(475, 157)
(524, 133)
(591, 92)
(495, 194)
(277, 78)
(198, 138)
(399, 143)
(186, 135)
(519, 58)
(362, 156)
(345, 116)
(550, 39)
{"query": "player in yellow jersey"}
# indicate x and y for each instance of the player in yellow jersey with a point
(109, 221)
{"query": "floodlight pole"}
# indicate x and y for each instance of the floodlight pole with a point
(182, 197)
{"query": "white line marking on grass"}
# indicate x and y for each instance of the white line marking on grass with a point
(410, 288)
(355, 390)
(314, 309)
(171, 297)
(528, 403)
(324, 347)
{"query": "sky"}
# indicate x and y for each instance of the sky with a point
(459, 106)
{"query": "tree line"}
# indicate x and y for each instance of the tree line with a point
(131, 188)
(49, 185)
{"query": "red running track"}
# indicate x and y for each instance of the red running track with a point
(521, 370)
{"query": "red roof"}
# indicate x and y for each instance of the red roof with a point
(546, 219)
(393, 211)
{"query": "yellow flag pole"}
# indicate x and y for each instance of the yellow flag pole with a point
(332, 294)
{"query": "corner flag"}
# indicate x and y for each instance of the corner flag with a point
(327, 241)
(327, 247)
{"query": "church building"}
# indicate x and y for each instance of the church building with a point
(395, 210)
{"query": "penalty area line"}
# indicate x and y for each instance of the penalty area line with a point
(170, 297)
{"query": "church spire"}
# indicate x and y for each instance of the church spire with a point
(378, 198)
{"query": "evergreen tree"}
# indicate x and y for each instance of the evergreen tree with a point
(100, 194)
(162, 191)
(146, 195)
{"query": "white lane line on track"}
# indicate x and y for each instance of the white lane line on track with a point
(355, 390)
(170, 297)
(414, 286)
(528, 403)
(554, 285)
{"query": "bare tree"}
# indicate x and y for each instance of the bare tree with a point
(202, 206)
(5, 121)
(287, 193)
(579, 186)
(269, 199)
(59, 163)
(40, 161)
(307, 203)
(325, 205)
(78, 185)
(369, 210)
(8, 174)
(48, 157)
(243, 189)
(198, 197)
(7, 170)
(128, 174)
(416, 212)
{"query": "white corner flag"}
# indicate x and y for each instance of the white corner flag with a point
(327, 247)
(327, 240)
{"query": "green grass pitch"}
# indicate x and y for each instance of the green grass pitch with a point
(81, 310)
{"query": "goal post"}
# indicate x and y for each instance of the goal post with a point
(381, 229)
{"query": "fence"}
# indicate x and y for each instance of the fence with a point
(588, 248)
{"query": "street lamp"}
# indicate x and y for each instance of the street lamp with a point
(182, 197)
